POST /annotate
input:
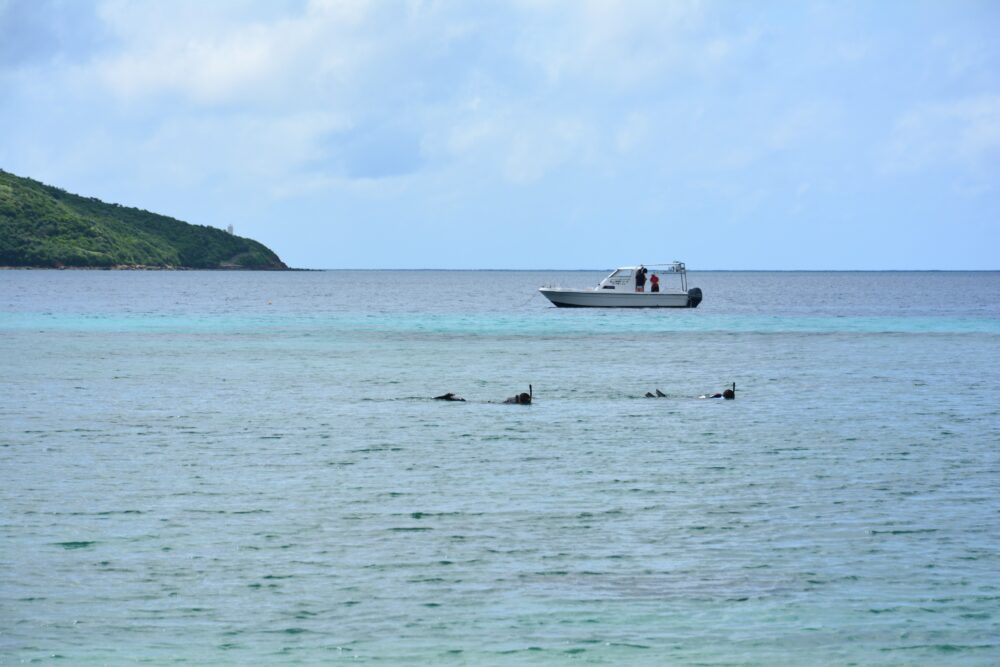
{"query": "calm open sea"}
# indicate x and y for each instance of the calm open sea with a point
(245, 468)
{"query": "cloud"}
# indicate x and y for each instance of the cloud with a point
(400, 78)
(374, 150)
(632, 132)
(700, 110)
(542, 145)
(622, 45)
(175, 50)
(36, 32)
(963, 133)
(263, 149)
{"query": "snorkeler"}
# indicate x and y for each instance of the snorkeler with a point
(728, 394)
(522, 398)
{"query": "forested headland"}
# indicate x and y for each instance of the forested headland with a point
(44, 226)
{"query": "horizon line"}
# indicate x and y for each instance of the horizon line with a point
(689, 270)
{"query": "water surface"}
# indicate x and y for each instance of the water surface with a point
(234, 468)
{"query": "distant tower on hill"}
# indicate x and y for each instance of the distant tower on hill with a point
(229, 229)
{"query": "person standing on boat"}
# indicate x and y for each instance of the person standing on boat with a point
(640, 279)
(654, 283)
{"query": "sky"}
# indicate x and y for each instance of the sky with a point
(526, 134)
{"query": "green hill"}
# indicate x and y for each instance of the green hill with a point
(44, 226)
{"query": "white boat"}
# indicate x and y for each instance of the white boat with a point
(618, 290)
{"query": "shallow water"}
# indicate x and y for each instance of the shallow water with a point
(233, 468)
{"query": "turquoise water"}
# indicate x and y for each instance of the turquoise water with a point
(242, 468)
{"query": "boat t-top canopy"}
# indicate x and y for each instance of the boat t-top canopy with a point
(662, 267)
(622, 276)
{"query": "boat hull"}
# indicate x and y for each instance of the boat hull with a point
(592, 298)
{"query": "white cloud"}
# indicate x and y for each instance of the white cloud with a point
(707, 108)
(609, 43)
(534, 148)
(964, 133)
(633, 132)
(209, 57)
(225, 149)
(517, 142)
(507, 91)
(800, 125)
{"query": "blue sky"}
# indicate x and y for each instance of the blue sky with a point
(529, 133)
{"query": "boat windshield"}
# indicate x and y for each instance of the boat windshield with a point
(620, 278)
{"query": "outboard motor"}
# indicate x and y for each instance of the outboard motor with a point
(694, 297)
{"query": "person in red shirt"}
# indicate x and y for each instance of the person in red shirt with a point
(654, 283)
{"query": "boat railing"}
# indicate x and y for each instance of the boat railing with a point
(668, 267)
(677, 268)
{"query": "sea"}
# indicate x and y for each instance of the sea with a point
(242, 468)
